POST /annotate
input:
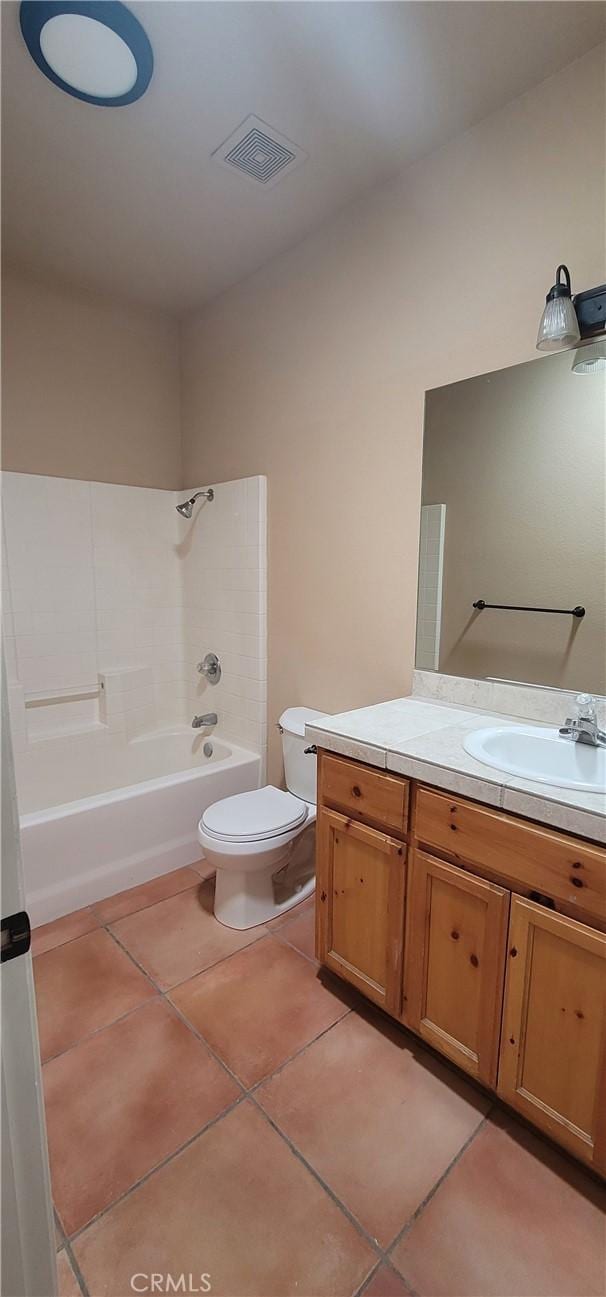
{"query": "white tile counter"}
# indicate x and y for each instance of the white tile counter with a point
(423, 739)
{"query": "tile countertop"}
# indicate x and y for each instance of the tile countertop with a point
(424, 740)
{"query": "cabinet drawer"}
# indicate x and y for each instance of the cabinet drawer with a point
(368, 794)
(535, 859)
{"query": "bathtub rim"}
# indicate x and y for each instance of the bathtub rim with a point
(125, 792)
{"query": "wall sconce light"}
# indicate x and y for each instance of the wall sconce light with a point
(589, 359)
(566, 320)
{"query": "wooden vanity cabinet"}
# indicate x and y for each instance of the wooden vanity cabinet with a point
(455, 961)
(461, 921)
(553, 1047)
(360, 906)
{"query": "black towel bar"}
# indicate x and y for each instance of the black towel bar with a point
(579, 611)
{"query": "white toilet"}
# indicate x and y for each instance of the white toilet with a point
(262, 843)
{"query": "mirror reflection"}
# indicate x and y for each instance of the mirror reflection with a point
(513, 513)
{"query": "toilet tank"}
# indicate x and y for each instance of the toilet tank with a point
(299, 766)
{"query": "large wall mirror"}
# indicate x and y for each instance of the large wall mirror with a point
(514, 513)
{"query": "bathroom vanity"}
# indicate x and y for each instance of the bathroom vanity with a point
(481, 929)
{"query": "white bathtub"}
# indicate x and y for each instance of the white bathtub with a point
(99, 814)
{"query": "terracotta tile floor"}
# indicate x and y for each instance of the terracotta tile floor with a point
(262, 1125)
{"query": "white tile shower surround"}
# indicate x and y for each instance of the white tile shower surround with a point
(100, 579)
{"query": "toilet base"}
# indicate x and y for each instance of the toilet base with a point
(246, 900)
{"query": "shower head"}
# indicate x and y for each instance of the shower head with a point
(187, 507)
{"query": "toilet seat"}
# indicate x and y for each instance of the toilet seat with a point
(257, 816)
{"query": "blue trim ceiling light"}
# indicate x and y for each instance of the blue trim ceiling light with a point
(96, 50)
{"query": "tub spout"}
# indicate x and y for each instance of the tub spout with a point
(199, 722)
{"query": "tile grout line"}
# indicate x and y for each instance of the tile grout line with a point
(376, 1247)
(105, 927)
(277, 936)
(91, 1034)
(248, 1090)
(76, 1269)
(253, 1089)
(59, 1227)
(170, 1157)
(103, 923)
(369, 1278)
(169, 989)
(434, 1189)
(389, 1266)
(383, 1254)
(244, 1091)
(198, 1035)
(243, 1095)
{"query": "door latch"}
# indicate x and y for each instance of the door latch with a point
(16, 935)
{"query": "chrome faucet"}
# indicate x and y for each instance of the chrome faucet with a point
(583, 728)
(199, 722)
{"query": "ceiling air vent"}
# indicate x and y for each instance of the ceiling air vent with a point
(259, 152)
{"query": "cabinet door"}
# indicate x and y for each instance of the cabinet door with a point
(552, 1066)
(455, 962)
(360, 890)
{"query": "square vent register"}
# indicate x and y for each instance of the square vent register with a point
(259, 152)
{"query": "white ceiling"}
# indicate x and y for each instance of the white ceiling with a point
(129, 201)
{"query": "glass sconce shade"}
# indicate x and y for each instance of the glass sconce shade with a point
(589, 359)
(559, 326)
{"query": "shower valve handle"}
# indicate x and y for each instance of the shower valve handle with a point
(211, 668)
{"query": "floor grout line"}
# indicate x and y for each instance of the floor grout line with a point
(310, 958)
(253, 1089)
(383, 1255)
(97, 1032)
(245, 1092)
(434, 1188)
(150, 904)
(58, 1228)
(261, 937)
(389, 1266)
(353, 1220)
(76, 1269)
(211, 1051)
(103, 923)
(369, 1278)
(170, 1157)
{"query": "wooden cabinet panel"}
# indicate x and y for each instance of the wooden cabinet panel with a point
(455, 961)
(536, 859)
(360, 889)
(553, 1049)
(368, 794)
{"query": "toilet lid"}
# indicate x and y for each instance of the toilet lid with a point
(264, 813)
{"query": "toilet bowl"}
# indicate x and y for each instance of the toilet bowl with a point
(262, 843)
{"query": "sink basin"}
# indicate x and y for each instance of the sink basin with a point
(534, 752)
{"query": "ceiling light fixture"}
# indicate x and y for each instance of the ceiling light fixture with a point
(566, 320)
(95, 51)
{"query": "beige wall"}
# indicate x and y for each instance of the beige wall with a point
(314, 370)
(518, 458)
(90, 387)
